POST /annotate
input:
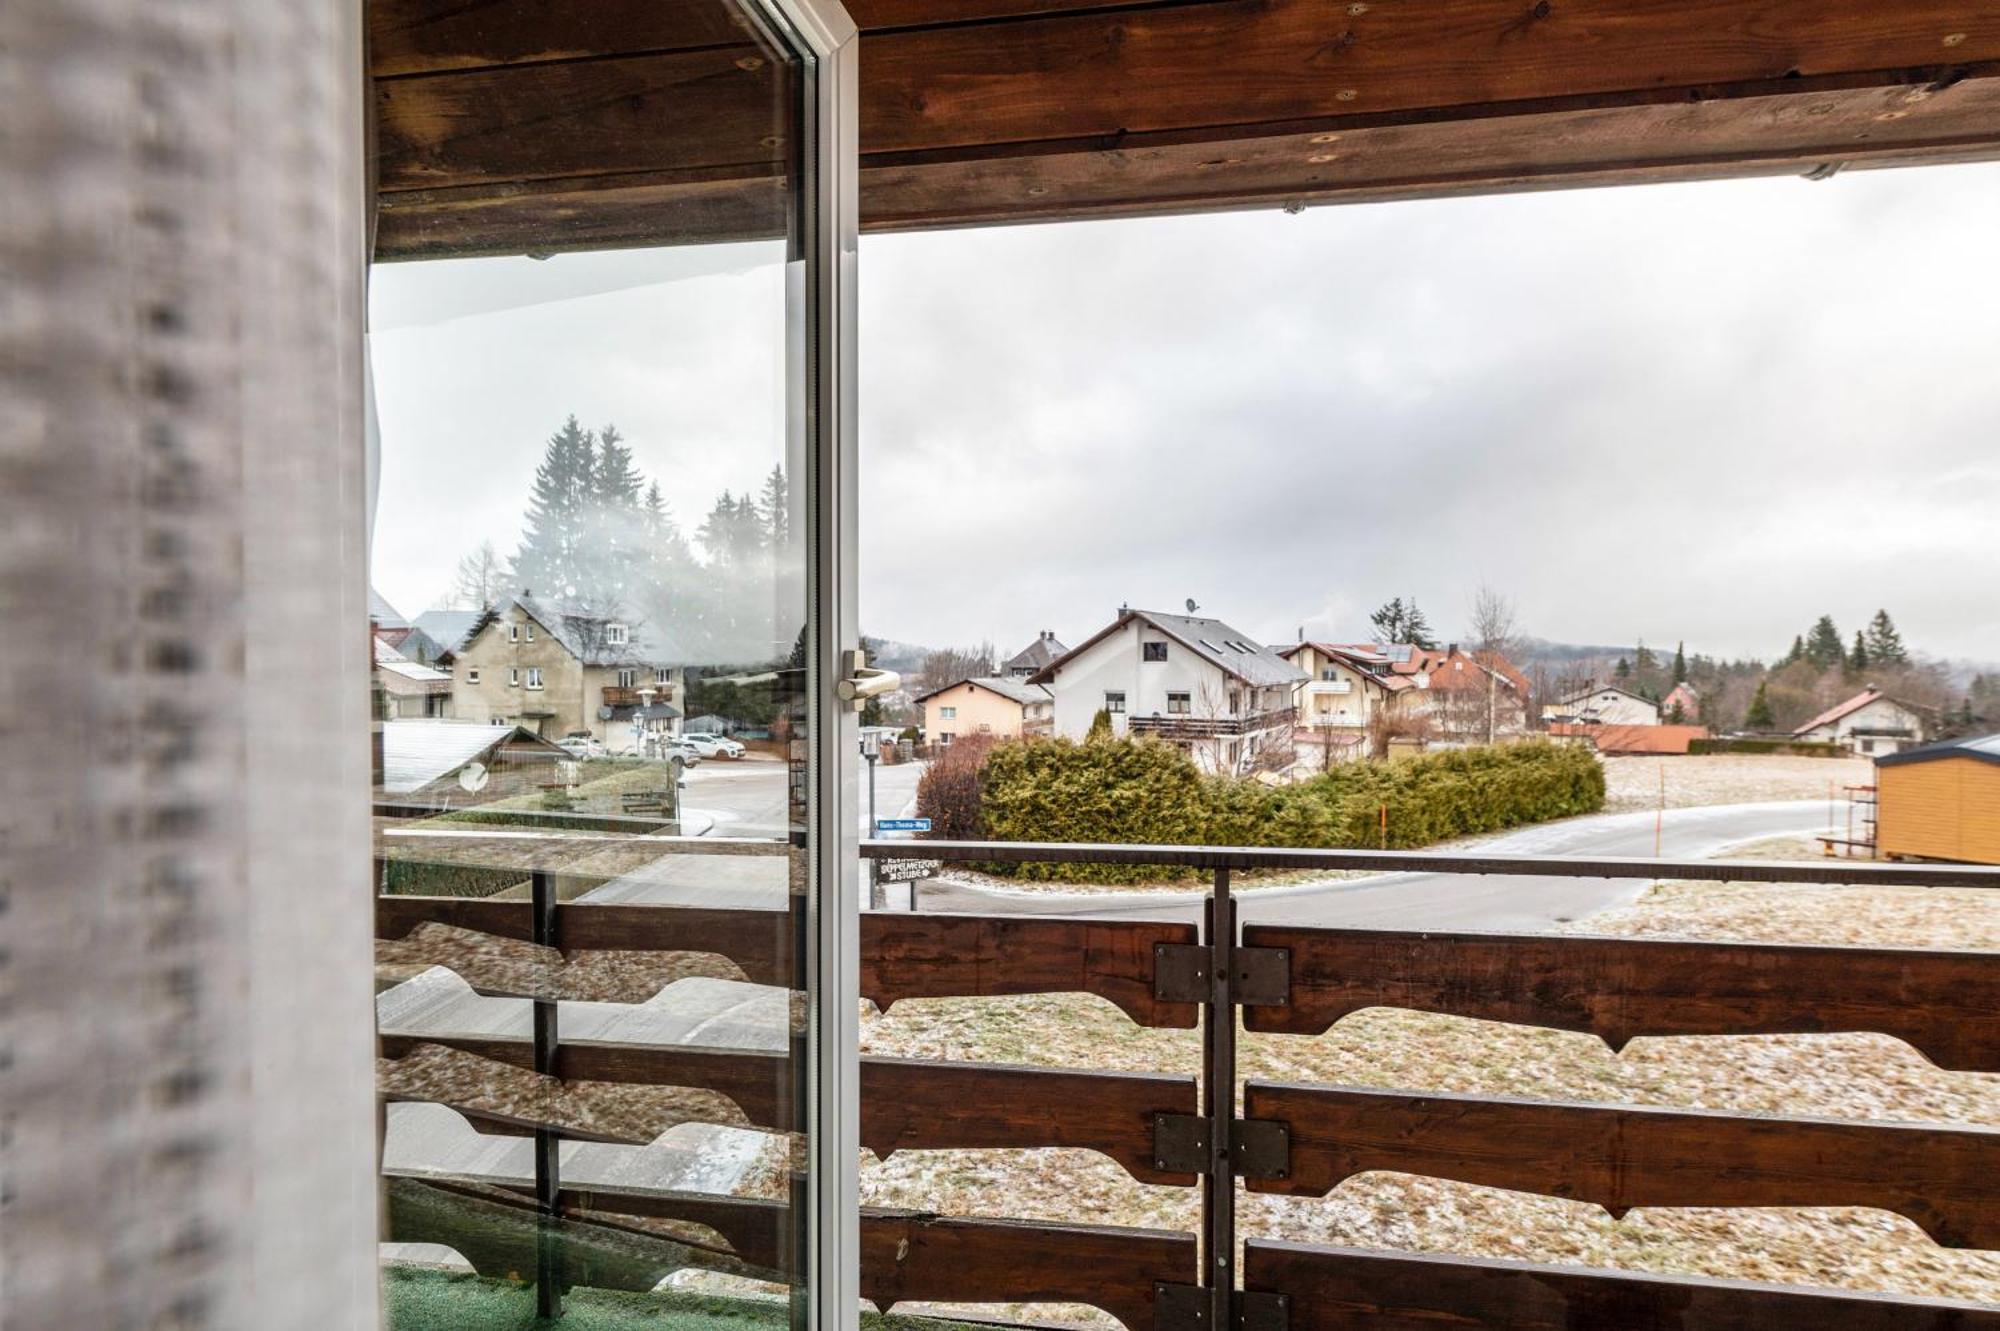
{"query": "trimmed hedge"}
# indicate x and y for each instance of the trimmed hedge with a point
(1792, 748)
(1144, 791)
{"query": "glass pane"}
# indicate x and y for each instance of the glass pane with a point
(589, 574)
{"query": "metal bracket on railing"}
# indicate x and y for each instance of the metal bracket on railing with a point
(1258, 1148)
(1260, 976)
(1186, 1308)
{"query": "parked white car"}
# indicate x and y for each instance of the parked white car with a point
(678, 747)
(713, 746)
(582, 746)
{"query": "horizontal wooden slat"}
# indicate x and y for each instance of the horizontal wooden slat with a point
(758, 941)
(906, 1105)
(1237, 63)
(945, 956)
(1620, 1157)
(428, 36)
(905, 1256)
(1334, 1289)
(1946, 1004)
(972, 1106)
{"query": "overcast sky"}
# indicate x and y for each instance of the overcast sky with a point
(1704, 412)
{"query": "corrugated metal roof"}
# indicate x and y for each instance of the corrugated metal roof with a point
(1985, 748)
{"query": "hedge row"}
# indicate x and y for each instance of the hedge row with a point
(1794, 748)
(1144, 791)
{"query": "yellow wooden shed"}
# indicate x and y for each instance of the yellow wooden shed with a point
(1941, 802)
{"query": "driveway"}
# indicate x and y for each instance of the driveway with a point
(1446, 901)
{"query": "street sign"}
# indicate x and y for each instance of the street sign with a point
(905, 871)
(902, 824)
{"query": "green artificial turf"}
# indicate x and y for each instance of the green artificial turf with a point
(421, 1299)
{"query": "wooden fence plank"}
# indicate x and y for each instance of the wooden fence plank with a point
(1946, 1004)
(1620, 1156)
(906, 1105)
(1333, 1289)
(944, 956)
(758, 941)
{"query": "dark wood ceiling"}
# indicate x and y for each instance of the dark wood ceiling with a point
(509, 125)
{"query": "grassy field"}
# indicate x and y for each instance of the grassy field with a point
(1726, 778)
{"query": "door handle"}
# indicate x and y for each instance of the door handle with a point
(860, 680)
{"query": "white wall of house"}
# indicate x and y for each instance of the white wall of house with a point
(1871, 729)
(1115, 665)
(1607, 707)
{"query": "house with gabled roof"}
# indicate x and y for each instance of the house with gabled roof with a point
(988, 705)
(1871, 723)
(558, 669)
(1197, 683)
(1035, 656)
(1603, 705)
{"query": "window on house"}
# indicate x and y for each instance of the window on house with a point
(661, 675)
(1328, 673)
(1152, 651)
(617, 634)
(947, 713)
(472, 674)
(513, 679)
(534, 677)
(528, 632)
(944, 741)
(1235, 702)
(628, 679)
(1114, 702)
(513, 633)
(1177, 704)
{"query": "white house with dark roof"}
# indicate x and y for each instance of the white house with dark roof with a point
(1197, 683)
(1603, 705)
(1035, 656)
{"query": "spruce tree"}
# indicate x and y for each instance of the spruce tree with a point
(550, 559)
(1680, 663)
(1823, 646)
(774, 510)
(1624, 669)
(1759, 717)
(1798, 651)
(1885, 644)
(1857, 659)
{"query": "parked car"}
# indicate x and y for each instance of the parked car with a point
(713, 746)
(678, 747)
(582, 746)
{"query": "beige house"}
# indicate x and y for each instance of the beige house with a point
(558, 672)
(410, 688)
(1346, 690)
(1004, 708)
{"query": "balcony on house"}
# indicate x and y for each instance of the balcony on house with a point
(1182, 726)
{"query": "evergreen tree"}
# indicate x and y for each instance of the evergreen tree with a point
(1798, 651)
(1396, 622)
(1644, 663)
(1680, 663)
(1857, 659)
(1823, 646)
(615, 482)
(1758, 717)
(1885, 644)
(550, 560)
(1623, 670)
(774, 509)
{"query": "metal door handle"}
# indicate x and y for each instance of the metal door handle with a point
(860, 680)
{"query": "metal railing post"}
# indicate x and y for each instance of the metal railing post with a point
(548, 1139)
(1218, 1103)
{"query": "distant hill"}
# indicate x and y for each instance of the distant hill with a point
(905, 658)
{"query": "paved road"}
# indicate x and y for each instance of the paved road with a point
(746, 798)
(1448, 901)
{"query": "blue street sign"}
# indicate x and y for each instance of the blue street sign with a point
(902, 824)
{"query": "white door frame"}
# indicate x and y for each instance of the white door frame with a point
(833, 902)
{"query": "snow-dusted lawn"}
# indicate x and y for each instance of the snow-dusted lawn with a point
(1848, 1076)
(1727, 778)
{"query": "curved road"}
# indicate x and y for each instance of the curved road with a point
(1445, 901)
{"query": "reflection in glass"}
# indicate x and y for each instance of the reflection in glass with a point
(589, 578)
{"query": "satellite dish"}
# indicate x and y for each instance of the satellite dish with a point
(473, 777)
(1192, 607)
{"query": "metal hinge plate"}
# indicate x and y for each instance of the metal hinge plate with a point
(1259, 976)
(1258, 1148)
(1185, 1308)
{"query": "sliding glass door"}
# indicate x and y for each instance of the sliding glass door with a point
(612, 576)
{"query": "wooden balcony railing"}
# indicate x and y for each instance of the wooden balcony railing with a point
(1301, 1140)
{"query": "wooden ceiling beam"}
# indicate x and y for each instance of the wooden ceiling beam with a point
(506, 124)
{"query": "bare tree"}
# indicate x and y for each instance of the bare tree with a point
(947, 665)
(481, 579)
(1495, 627)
